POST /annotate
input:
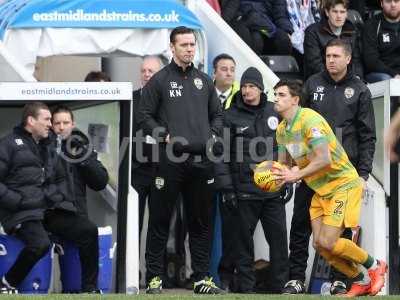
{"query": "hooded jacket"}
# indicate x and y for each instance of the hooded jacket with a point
(347, 107)
(381, 46)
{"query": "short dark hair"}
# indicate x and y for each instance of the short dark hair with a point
(340, 43)
(180, 30)
(294, 86)
(62, 109)
(95, 76)
(221, 57)
(328, 4)
(32, 110)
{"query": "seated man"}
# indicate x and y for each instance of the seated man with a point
(381, 43)
(263, 24)
(34, 200)
(332, 27)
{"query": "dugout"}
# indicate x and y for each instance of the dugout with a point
(102, 111)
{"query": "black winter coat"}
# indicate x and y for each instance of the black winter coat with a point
(29, 178)
(229, 9)
(83, 172)
(266, 15)
(347, 107)
(247, 123)
(318, 35)
(381, 46)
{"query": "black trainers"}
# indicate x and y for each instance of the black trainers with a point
(5, 288)
(154, 286)
(207, 286)
(338, 288)
(294, 287)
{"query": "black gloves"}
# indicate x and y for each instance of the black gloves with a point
(229, 200)
(76, 146)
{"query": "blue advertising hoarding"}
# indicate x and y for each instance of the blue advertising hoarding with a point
(150, 14)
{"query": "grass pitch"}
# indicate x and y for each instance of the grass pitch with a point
(181, 296)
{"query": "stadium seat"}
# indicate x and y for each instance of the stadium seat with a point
(283, 66)
(354, 17)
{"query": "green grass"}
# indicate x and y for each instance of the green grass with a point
(180, 296)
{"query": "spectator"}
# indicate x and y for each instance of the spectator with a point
(263, 24)
(252, 117)
(180, 103)
(345, 102)
(224, 78)
(96, 76)
(381, 43)
(302, 14)
(33, 180)
(142, 171)
(358, 5)
(319, 34)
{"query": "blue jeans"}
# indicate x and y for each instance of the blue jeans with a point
(375, 77)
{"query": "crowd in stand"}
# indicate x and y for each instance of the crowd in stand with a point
(302, 28)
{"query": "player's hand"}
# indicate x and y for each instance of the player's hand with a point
(390, 139)
(287, 175)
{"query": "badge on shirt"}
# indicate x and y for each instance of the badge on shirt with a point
(159, 182)
(19, 142)
(386, 38)
(320, 89)
(315, 132)
(273, 123)
(349, 92)
(198, 83)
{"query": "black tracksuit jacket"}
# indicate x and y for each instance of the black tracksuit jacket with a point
(347, 107)
(182, 104)
(381, 46)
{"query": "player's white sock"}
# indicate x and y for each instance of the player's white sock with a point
(374, 265)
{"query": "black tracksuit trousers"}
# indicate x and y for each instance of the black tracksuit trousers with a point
(67, 226)
(271, 213)
(195, 181)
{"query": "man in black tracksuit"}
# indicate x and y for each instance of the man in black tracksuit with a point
(142, 171)
(317, 36)
(82, 169)
(381, 43)
(32, 180)
(345, 102)
(179, 107)
(249, 118)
